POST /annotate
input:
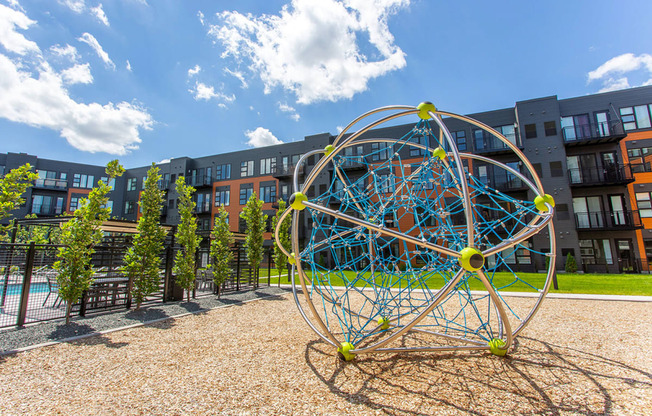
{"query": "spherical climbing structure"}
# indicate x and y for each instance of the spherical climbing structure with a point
(409, 250)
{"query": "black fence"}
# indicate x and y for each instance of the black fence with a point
(29, 291)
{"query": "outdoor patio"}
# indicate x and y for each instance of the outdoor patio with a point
(577, 357)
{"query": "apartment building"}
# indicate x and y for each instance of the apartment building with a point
(593, 154)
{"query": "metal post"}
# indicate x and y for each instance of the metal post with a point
(27, 279)
(269, 267)
(169, 257)
(14, 232)
(237, 272)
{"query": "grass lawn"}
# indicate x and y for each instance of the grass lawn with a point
(600, 284)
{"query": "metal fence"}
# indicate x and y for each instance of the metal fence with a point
(29, 291)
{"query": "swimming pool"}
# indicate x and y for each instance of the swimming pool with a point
(16, 289)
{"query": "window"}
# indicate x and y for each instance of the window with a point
(268, 193)
(247, 168)
(487, 141)
(556, 169)
(460, 139)
(596, 252)
(82, 181)
(173, 178)
(110, 183)
(417, 151)
(267, 166)
(131, 184)
(48, 205)
(203, 202)
(644, 203)
(129, 207)
(640, 159)
(508, 131)
(588, 212)
(386, 182)
(381, 151)
(171, 203)
(285, 192)
(222, 196)
(109, 205)
(143, 184)
(550, 127)
(576, 127)
(530, 131)
(538, 169)
(245, 194)
(223, 172)
(637, 117)
(201, 176)
(562, 212)
(74, 204)
(289, 162)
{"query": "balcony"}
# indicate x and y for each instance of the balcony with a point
(504, 182)
(610, 220)
(203, 208)
(200, 181)
(163, 184)
(593, 133)
(613, 175)
(46, 209)
(287, 171)
(348, 164)
(491, 145)
(164, 210)
(56, 184)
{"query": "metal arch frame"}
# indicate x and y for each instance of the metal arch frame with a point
(529, 230)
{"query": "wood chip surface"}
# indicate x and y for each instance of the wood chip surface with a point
(260, 358)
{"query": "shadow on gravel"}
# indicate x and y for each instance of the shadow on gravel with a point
(73, 329)
(536, 378)
(145, 315)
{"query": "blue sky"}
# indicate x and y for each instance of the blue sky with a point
(145, 80)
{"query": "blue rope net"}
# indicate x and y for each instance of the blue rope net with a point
(360, 278)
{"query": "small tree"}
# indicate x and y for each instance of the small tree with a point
(80, 235)
(221, 253)
(184, 260)
(12, 187)
(142, 261)
(571, 264)
(280, 259)
(255, 220)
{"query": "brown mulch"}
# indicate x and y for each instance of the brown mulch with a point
(576, 357)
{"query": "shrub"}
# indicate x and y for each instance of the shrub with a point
(571, 264)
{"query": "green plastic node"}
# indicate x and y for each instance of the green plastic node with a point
(292, 259)
(343, 351)
(383, 323)
(424, 107)
(296, 201)
(439, 152)
(472, 259)
(540, 202)
(496, 347)
(328, 149)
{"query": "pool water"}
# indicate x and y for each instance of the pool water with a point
(16, 289)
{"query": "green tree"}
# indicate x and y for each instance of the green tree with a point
(12, 187)
(187, 238)
(80, 235)
(142, 261)
(221, 252)
(255, 220)
(571, 264)
(280, 259)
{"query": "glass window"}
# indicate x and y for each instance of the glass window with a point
(635, 117)
(222, 197)
(247, 168)
(530, 131)
(550, 127)
(644, 203)
(223, 172)
(642, 116)
(460, 139)
(131, 184)
(129, 207)
(267, 166)
(74, 204)
(556, 169)
(268, 193)
(417, 151)
(381, 151)
(640, 159)
(245, 194)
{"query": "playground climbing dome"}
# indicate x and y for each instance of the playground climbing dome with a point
(409, 250)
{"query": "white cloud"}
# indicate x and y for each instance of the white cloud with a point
(239, 75)
(35, 94)
(207, 93)
(200, 15)
(288, 109)
(98, 12)
(128, 65)
(77, 6)
(193, 71)
(11, 40)
(68, 52)
(160, 162)
(90, 40)
(312, 48)
(78, 74)
(610, 73)
(261, 137)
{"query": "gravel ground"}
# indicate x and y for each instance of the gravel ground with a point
(44, 332)
(576, 357)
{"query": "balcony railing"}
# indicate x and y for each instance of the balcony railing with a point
(46, 209)
(285, 171)
(593, 133)
(51, 183)
(198, 181)
(504, 182)
(163, 184)
(610, 220)
(612, 175)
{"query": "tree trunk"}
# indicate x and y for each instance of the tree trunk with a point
(188, 295)
(68, 310)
